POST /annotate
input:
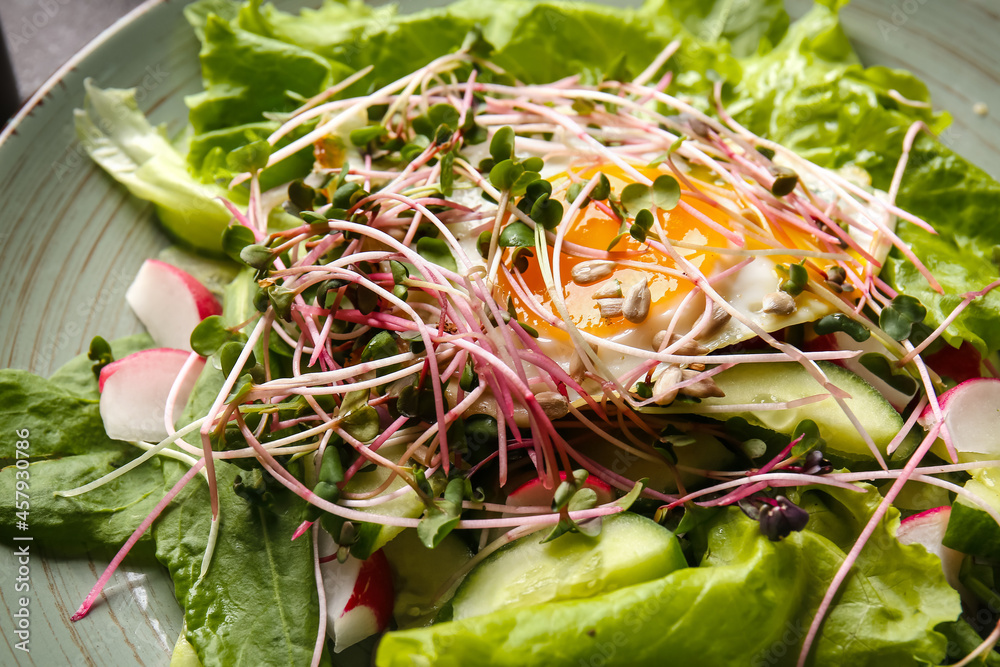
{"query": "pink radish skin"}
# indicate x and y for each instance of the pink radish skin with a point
(170, 303)
(359, 598)
(928, 528)
(534, 494)
(134, 392)
(971, 412)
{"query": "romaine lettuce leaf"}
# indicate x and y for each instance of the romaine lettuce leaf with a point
(961, 202)
(811, 94)
(749, 28)
(118, 137)
(247, 75)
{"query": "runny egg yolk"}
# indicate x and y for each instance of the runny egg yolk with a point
(596, 227)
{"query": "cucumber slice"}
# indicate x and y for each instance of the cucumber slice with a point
(788, 381)
(631, 549)
(372, 536)
(419, 574)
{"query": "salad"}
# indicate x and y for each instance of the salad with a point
(531, 332)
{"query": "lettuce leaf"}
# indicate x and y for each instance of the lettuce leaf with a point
(118, 137)
(811, 94)
(749, 28)
(759, 595)
(247, 75)
(961, 202)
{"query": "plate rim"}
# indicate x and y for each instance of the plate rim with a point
(35, 99)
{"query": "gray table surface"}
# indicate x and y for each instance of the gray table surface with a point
(42, 34)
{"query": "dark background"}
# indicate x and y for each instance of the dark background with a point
(41, 35)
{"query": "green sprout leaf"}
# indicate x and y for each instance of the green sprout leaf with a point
(331, 470)
(257, 256)
(281, 299)
(229, 355)
(811, 439)
(250, 158)
(399, 271)
(234, 239)
(517, 235)
(666, 192)
(502, 144)
(534, 163)
(365, 135)
(436, 251)
(602, 190)
(442, 517)
(100, 353)
(448, 173)
(897, 319)
(797, 280)
(362, 423)
(483, 242)
(635, 197)
(785, 181)
(210, 335)
(506, 173)
(841, 322)
(547, 212)
(381, 346)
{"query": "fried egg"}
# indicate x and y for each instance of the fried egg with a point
(728, 241)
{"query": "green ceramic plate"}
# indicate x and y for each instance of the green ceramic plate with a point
(71, 240)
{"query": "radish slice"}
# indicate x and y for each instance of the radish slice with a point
(170, 303)
(359, 598)
(534, 494)
(971, 413)
(135, 390)
(928, 528)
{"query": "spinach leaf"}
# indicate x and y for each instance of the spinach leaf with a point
(99, 520)
(262, 580)
(69, 448)
(257, 604)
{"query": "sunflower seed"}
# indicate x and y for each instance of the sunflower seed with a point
(778, 303)
(716, 321)
(553, 404)
(664, 385)
(636, 305)
(703, 388)
(610, 307)
(691, 348)
(592, 270)
(609, 290)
